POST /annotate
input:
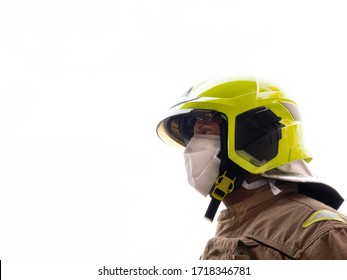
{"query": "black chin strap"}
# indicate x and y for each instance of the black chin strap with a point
(230, 176)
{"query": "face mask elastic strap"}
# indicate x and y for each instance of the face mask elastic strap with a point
(230, 176)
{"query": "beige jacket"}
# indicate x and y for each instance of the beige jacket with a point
(287, 226)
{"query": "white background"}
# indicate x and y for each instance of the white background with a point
(83, 85)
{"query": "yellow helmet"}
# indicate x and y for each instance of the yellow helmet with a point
(264, 124)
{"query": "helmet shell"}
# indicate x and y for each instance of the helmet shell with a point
(232, 97)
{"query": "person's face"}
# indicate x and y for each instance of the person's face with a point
(207, 127)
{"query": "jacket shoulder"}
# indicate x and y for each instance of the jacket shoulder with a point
(295, 222)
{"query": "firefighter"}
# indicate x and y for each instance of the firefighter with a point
(243, 146)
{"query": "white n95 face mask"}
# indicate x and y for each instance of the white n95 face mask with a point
(202, 162)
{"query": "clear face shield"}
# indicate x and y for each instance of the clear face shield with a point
(177, 130)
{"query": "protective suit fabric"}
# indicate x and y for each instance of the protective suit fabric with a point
(269, 227)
